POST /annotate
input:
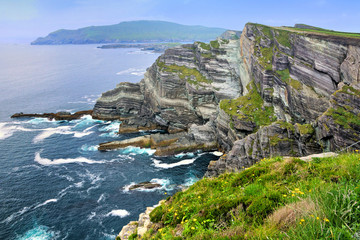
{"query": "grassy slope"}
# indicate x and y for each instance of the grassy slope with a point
(136, 31)
(274, 199)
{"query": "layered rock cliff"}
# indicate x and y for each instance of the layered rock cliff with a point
(273, 91)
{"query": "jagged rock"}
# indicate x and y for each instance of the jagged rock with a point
(144, 185)
(339, 126)
(57, 116)
(198, 138)
(128, 230)
(277, 139)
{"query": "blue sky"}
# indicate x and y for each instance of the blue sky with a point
(24, 20)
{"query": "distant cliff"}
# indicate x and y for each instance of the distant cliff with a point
(133, 31)
(273, 91)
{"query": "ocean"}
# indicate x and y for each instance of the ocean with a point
(54, 184)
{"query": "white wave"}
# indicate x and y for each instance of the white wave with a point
(101, 198)
(92, 188)
(79, 184)
(180, 155)
(48, 162)
(118, 213)
(217, 153)
(7, 130)
(36, 121)
(53, 200)
(16, 214)
(87, 148)
(113, 126)
(92, 215)
(48, 132)
(165, 185)
(159, 164)
(39, 233)
(137, 150)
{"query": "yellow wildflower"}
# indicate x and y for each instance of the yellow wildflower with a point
(194, 219)
(284, 195)
(165, 193)
(302, 220)
(199, 197)
(160, 230)
(192, 228)
(326, 220)
(293, 195)
(317, 218)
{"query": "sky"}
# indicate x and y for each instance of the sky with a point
(25, 20)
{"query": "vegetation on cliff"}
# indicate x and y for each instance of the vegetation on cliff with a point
(249, 108)
(276, 198)
(191, 75)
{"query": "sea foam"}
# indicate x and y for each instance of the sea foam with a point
(159, 164)
(118, 213)
(48, 162)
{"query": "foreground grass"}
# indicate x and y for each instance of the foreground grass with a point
(274, 199)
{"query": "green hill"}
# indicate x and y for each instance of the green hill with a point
(133, 31)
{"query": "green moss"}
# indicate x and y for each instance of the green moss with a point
(274, 140)
(191, 75)
(285, 77)
(349, 90)
(208, 55)
(226, 41)
(214, 44)
(204, 45)
(249, 107)
(239, 205)
(305, 129)
(344, 117)
(286, 125)
(266, 58)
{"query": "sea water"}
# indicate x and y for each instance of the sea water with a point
(54, 184)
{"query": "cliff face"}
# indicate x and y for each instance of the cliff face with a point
(184, 86)
(273, 91)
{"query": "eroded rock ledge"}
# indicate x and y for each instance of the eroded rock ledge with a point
(197, 138)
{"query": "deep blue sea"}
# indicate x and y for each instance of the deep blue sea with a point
(54, 184)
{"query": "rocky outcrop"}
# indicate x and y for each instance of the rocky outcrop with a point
(272, 91)
(56, 116)
(197, 138)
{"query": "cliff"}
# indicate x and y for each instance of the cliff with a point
(273, 91)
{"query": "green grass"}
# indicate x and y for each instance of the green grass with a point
(283, 38)
(191, 75)
(330, 32)
(274, 199)
(250, 108)
(285, 77)
(215, 44)
(204, 46)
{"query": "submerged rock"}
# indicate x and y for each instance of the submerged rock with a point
(144, 185)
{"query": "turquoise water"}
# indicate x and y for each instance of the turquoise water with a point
(54, 184)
